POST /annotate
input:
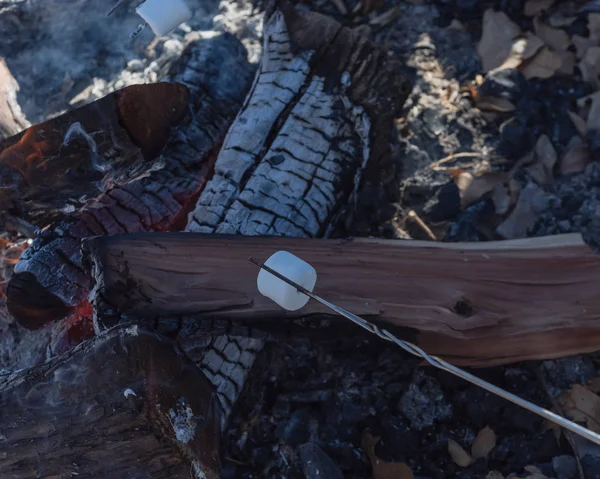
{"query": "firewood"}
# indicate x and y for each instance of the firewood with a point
(125, 404)
(473, 304)
(147, 194)
(318, 118)
(317, 121)
(12, 120)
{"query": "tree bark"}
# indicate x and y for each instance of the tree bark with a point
(12, 120)
(474, 304)
(125, 404)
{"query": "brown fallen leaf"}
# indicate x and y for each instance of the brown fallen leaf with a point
(483, 444)
(590, 66)
(492, 103)
(576, 158)
(581, 45)
(461, 457)
(456, 25)
(523, 216)
(555, 38)
(533, 45)
(593, 119)
(578, 122)
(383, 469)
(543, 65)
(582, 405)
(533, 7)
(499, 32)
(542, 168)
(568, 62)
(593, 25)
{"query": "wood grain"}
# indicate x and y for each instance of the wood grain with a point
(484, 303)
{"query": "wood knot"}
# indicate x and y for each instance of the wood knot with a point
(463, 307)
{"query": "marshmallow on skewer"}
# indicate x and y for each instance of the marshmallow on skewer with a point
(293, 268)
(164, 16)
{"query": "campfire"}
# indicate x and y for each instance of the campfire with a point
(131, 316)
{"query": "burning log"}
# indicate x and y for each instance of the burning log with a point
(317, 119)
(141, 192)
(12, 120)
(124, 404)
(474, 304)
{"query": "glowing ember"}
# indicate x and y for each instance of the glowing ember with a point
(28, 153)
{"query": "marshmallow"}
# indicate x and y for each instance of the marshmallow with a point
(293, 268)
(164, 16)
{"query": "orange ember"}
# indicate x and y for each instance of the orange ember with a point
(28, 153)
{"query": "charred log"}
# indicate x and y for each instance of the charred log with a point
(126, 390)
(148, 195)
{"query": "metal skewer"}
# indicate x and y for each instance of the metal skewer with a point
(440, 363)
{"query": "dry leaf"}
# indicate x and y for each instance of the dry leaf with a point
(523, 216)
(383, 469)
(492, 103)
(497, 38)
(484, 442)
(533, 45)
(590, 66)
(461, 457)
(594, 27)
(533, 7)
(593, 119)
(583, 406)
(456, 25)
(543, 65)
(472, 188)
(581, 45)
(576, 158)
(568, 62)
(555, 38)
(542, 169)
(578, 122)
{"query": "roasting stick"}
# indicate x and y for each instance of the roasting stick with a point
(284, 260)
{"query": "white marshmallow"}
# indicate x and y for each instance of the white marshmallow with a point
(293, 268)
(164, 16)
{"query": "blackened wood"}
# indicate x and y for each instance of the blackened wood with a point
(125, 404)
(151, 195)
(475, 304)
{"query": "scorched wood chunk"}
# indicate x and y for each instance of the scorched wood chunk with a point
(124, 404)
(149, 195)
(318, 115)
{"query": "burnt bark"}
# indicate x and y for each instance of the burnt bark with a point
(149, 194)
(124, 404)
(474, 304)
(12, 120)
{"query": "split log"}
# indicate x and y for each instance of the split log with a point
(12, 120)
(148, 194)
(319, 117)
(474, 304)
(125, 404)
